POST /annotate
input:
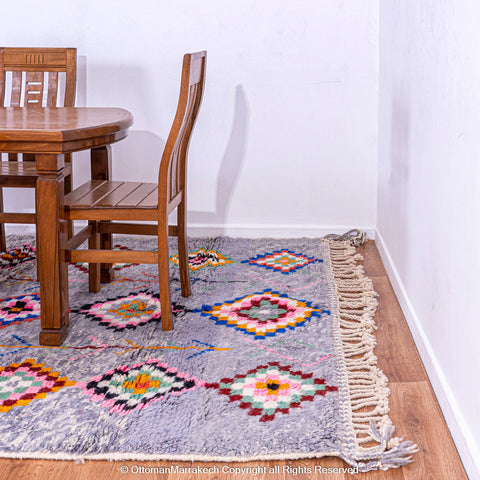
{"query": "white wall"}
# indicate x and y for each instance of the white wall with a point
(286, 138)
(286, 142)
(429, 193)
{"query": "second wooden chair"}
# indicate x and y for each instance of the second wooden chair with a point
(33, 78)
(105, 204)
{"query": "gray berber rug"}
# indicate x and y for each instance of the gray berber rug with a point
(270, 358)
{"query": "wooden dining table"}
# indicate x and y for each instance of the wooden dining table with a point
(49, 134)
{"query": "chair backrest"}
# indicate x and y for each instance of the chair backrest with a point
(35, 76)
(34, 79)
(172, 175)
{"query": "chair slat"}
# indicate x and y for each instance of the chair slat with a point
(196, 70)
(172, 176)
(179, 153)
(150, 201)
(52, 89)
(74, 198)
(137, 195)
(97, 193)
(117, 195)
(16, 93)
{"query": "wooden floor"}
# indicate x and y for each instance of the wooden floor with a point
(414, 411)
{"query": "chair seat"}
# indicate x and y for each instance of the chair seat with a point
(22, 174)
(18, 174)
(104, 195)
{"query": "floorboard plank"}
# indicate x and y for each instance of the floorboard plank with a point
(421, 418)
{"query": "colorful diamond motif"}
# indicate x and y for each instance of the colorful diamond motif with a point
(203, 258)
(270, 389)
(16, 310)
(83, 267)
(131, 311)
(21, 383)
(127, 388)
(262, 314)
(283, 261)
(124, 312)
(12, 258)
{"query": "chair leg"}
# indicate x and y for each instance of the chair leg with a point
(94, 268)
(183, 251)
(106, 269)
(163, 275)
(3, 241)
(101, 169)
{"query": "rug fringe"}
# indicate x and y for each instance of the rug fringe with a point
(355, 237)
(365, 391)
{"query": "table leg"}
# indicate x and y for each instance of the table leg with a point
(101, 169)
(51, 240)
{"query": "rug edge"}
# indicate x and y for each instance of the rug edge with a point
(354, 305)
(141, 457)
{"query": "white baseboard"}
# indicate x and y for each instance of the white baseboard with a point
(272, 230)
(242, 230)
(461, 433)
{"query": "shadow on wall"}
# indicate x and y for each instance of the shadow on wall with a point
(135, 159)
(138, 158)
(230, 167)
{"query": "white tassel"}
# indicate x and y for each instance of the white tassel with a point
(368, 393)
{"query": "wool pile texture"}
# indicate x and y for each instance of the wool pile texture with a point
(271, 357)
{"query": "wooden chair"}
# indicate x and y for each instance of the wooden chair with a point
(34, 82)
(104, 202)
